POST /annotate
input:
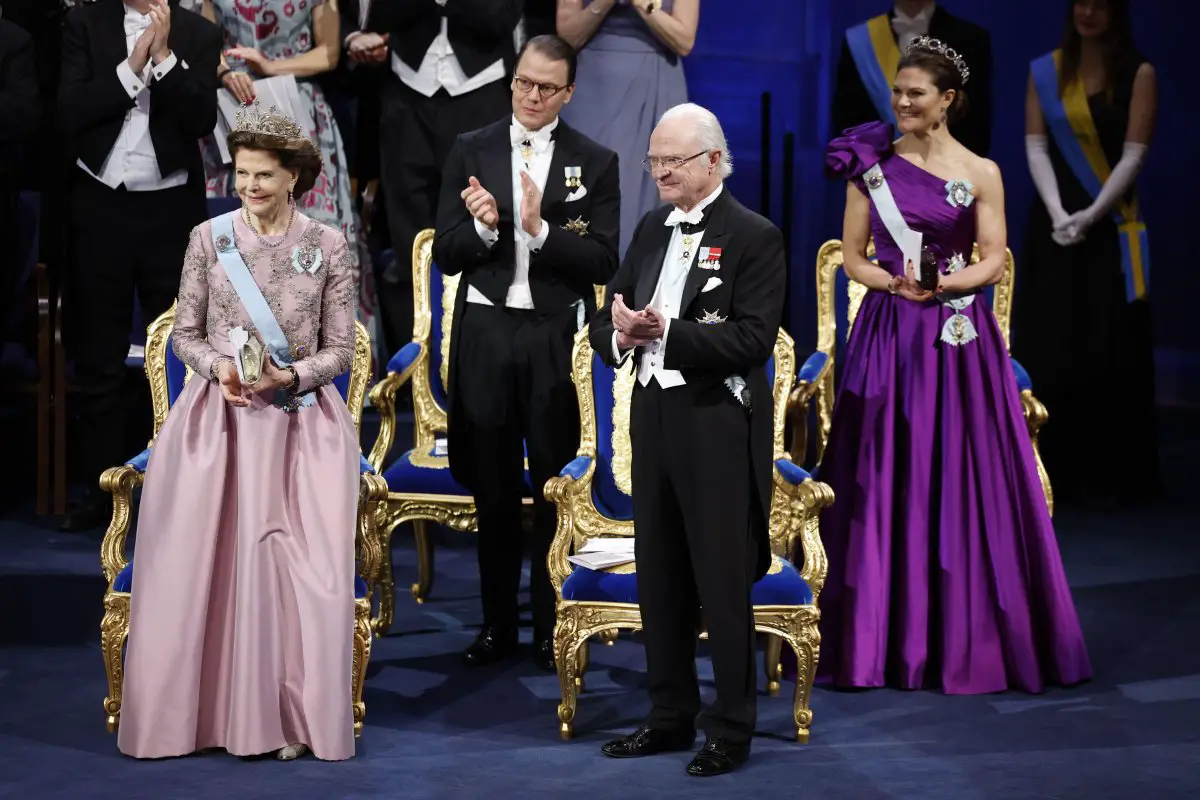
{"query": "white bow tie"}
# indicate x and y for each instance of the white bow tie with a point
(540, 140)
(136, 23)
(908, 28)
(693, 217)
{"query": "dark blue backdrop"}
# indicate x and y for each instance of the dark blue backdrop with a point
(790, 49)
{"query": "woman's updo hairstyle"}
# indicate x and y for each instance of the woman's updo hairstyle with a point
(279, 135)
(945, 67)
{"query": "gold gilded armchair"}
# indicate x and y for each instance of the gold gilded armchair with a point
(167, 376)
(593, 499)
(815, 381)
(420, 487)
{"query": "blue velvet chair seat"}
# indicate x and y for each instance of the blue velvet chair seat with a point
(781, 586)
(405, 477)
(124, 582)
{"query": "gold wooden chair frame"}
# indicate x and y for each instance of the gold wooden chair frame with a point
(795, 508)
(454, 511)
(821, 387)
(121, 481)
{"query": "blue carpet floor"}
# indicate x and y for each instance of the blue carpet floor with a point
(434, 730)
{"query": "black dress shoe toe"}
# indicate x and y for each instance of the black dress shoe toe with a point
(491, 646)
(717, 757)
(647, 741)
(543, 654)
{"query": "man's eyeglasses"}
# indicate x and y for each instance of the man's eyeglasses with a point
(655, 163)
(546, 90)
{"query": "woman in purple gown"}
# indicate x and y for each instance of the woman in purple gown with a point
(944, 570)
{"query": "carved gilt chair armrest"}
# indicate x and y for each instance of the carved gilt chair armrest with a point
(809, 380)
(383, 398)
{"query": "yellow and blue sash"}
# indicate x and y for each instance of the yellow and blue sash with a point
(1070, 122)
(877, 57)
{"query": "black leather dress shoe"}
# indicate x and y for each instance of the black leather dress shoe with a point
(717, 757)
(492, 645)
(543, 654)
(647, 741)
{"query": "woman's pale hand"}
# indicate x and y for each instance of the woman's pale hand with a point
(240, 85)
(253, 59)
(368, 48)
(908, 288)
(231, 385)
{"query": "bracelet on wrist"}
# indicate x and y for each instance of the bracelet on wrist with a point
(221, 73)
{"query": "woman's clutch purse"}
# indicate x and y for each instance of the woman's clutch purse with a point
(250, 354)
(928, 277)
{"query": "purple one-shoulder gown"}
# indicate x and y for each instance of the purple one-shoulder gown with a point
(944, 571)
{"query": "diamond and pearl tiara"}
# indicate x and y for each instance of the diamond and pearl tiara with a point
(931, 45)
(251, 119)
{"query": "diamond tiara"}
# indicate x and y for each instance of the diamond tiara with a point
(252, 119)
(941, 48)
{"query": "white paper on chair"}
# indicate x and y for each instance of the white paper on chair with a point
(280, 91)
(604, 553)
(600, 560)
(238, 338)
(617, 545)
(441, 447)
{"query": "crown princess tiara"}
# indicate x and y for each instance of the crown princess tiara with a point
(941, 48)
(251, 119)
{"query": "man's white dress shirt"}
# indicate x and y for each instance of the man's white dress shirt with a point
(132, 160)
(540, 151)
(911, 28)
(668, 295)
(440, 68)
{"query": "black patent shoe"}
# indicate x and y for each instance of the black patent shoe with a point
(647, 741)
(493, 645)
(717, 757)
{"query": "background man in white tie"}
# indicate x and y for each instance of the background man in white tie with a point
(909, 20)
(138, 90)
(708, 278)
(529, 215)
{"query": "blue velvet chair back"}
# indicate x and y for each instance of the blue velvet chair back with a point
(608, 417)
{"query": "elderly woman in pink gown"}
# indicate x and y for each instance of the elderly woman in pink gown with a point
(241, 629)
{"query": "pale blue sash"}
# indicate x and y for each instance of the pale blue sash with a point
(255, 304)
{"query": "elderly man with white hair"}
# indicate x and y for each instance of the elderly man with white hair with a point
(697, 303)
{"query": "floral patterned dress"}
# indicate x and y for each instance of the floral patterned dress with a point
(284, 29)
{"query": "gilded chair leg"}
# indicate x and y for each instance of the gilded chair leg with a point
(771, 663)
(420, 589)
(566, 646)
(362, 656)
(1043, 476)
(387, 583)
(807, 648)
(582, 664)
(114, 628)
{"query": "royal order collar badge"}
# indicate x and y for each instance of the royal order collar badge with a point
(710, 258)
(578, 225)
(710, 318)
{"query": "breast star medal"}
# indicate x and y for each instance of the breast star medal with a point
(577, 225)
(710, 318)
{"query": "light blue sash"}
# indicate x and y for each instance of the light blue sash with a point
(255, 304)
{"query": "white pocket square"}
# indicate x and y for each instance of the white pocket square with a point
(578, 194)
(713, 283)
